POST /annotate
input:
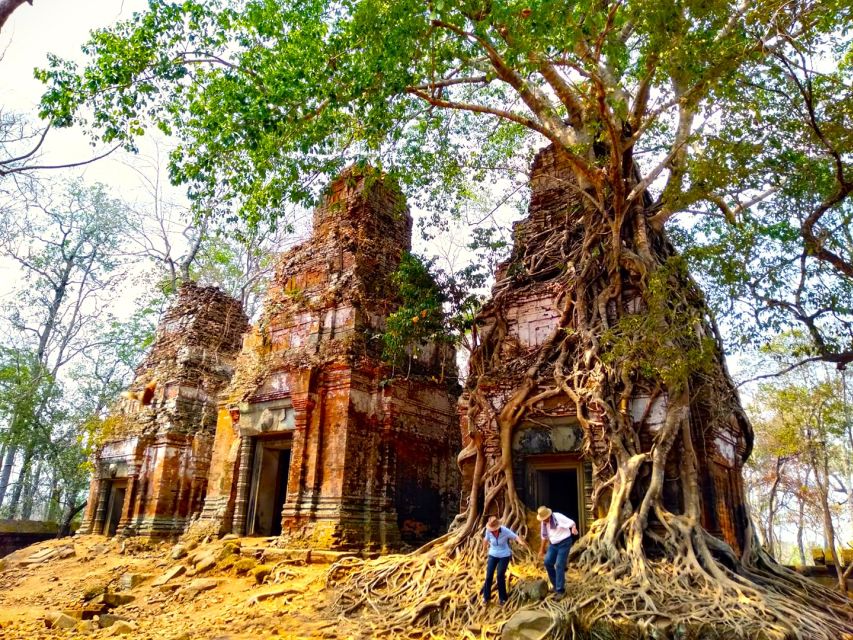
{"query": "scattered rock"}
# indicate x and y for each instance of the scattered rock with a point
(122, 627)
(244, 565)
(170, 574)
(178, 551)
(65, 552)
(527, 624)
(86, 626)
(230, 536)
(58, 620)
(322, 556)
(534, 589)
(77, 614)
(132, 580)
(205, 563)
(229, 549)
(200, 584)
(94, 589)
(112, 599)
(270, 593)
(40, 556)
(273, 555)
(171, 586)
(109, 619)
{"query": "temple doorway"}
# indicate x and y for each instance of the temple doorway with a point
(268, 485)
(558, 482)
(558, 488)
(115, 505)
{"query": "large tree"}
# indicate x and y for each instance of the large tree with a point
(264, 96)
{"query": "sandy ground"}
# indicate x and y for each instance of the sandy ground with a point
(28, 592)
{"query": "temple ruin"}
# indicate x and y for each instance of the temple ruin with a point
(150, 472)
(315, 438)
(548, 449)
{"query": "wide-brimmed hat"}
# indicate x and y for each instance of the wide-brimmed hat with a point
(543, 513)
(493, 524)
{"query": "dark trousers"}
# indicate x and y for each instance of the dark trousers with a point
(555, 563)
(500, 564)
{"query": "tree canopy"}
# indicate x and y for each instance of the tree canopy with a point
(731, 118)
(737, 111)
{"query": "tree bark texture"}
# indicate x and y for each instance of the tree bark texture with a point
(7, 7)
(6, 471)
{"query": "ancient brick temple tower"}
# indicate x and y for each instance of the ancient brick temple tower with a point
(315, 439)
(549, 466)
(151, 472)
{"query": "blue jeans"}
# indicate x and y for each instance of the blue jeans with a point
(555, 563)
(500, 564)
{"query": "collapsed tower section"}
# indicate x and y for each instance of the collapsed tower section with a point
(315, 438)
(150, 472)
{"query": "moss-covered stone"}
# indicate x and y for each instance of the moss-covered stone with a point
(244, 565)
(261, 572)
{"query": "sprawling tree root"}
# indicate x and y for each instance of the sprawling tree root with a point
(632, 325)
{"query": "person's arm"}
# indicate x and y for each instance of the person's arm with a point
(543, 546)
(514, 537)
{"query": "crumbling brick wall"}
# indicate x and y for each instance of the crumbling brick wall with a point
(158, 437)
(368, 452)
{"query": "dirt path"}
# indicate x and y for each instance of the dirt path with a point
(221, 600)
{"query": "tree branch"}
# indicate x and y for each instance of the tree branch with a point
(7, 7)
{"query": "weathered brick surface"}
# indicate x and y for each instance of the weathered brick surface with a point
(531, 314)
(371, 456)
(157, 450)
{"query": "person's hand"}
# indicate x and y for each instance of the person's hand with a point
(541, 554)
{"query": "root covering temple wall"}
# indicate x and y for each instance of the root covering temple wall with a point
(552, 455)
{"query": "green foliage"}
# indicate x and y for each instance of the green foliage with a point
(434, 307)
(264, 96)
(662, 341)
(420, 316)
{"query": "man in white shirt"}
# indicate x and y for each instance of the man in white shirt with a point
(555, 530)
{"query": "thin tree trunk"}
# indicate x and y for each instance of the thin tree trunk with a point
(68, 516)
(15, 499)
(54, 506)
(770, 538)
(30, 493)
(6, 472)
(800, 527)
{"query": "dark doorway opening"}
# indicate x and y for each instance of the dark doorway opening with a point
(558, 489)
(115, 505)
(269, 486)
